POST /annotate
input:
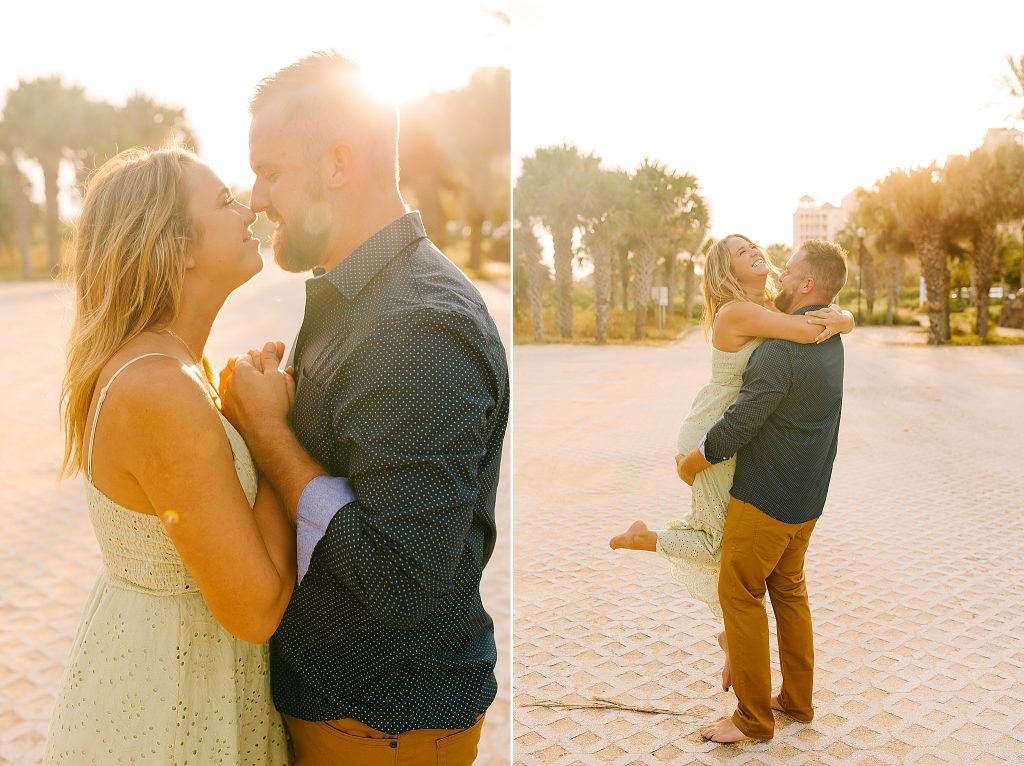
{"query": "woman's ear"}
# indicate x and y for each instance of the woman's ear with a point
(339, 165)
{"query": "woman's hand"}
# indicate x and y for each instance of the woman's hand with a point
(832, 319)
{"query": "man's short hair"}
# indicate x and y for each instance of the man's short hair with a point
(826, 263)
(329, 98)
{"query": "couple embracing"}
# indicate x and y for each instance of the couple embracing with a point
(341, 508)
(757, 449)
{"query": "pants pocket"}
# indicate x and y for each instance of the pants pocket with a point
(460, 748)
(358, 748)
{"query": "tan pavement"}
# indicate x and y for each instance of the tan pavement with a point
(48, 555)
(916, 569)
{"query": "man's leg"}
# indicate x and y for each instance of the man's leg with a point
(753, 544)
(788, 592)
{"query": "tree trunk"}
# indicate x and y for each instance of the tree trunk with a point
(645, 262)
(936, 278)
(981, 277)
(688, 289)
(613, 275)
(535, 289)
(429, 203)
(52, 227)
(19, 211)
(562, 238)
(670, 280)
(870, 283)
(476, 240)
(602, 290)
(624, 277)
(892, 302)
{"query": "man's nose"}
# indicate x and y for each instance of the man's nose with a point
(259, 200)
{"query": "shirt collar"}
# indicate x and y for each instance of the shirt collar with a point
(805, 309)
(362, 264)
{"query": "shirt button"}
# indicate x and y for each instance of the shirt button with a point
(394, 744)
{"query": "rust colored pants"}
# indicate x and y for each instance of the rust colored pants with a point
(762, 554)
(348, 741)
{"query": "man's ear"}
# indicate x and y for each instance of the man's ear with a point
(808, 286)
(340, 163)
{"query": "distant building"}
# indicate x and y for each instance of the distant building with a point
(814, 221)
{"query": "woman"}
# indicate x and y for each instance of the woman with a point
(170, 664)
(739, 313)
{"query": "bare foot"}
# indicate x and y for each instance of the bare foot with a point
(637, 538)
(776, 705)
(726, 673)
(723, 731)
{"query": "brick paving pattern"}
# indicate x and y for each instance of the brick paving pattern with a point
(915, 571)
(49, 557)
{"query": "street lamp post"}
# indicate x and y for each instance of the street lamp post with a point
(860, 268)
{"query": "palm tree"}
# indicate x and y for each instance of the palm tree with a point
(665, 202)
(552, 189)
(476, 140)
(1015, 80)
(531, 276)
(692, 242)
(916, 198)
(606, 231)
(104, 130)
(43, 116)
(15, 203)
(984, 191)
(426, 172)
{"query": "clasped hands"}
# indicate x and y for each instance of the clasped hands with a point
(256, 396)
(831, 319)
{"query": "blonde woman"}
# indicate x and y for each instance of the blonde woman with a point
(170, 664)
(739, 313)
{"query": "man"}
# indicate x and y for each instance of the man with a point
(783, 429)
(389, 464)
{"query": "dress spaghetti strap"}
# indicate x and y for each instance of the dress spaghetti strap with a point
(99, 404)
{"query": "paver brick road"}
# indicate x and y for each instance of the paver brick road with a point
(915, 571)
(48, 555)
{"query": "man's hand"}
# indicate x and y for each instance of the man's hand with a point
(257, 397)
(689, 465)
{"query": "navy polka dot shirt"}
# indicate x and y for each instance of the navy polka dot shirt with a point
(784, 427)
(402, 387)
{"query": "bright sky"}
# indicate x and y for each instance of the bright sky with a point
(207, 57)
(763, 102)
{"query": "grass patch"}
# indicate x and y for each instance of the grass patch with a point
(992, 340)
(584, 327)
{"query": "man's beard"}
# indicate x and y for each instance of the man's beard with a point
(296, 249)
(784, 300)
(302, 246)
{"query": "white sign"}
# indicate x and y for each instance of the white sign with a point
(659, 295)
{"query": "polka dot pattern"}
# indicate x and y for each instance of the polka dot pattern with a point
(402, 387)
(788, 408)
(153, 678)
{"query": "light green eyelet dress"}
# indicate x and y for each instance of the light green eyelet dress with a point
(153, 678)
(693, 544)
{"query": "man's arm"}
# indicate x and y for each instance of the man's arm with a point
(766, 382)
(417, 427)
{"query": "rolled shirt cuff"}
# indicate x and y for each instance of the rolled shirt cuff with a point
(712, 460)
(323, 497)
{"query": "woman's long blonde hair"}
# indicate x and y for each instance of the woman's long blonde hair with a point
(720, 285)
(128, 269)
